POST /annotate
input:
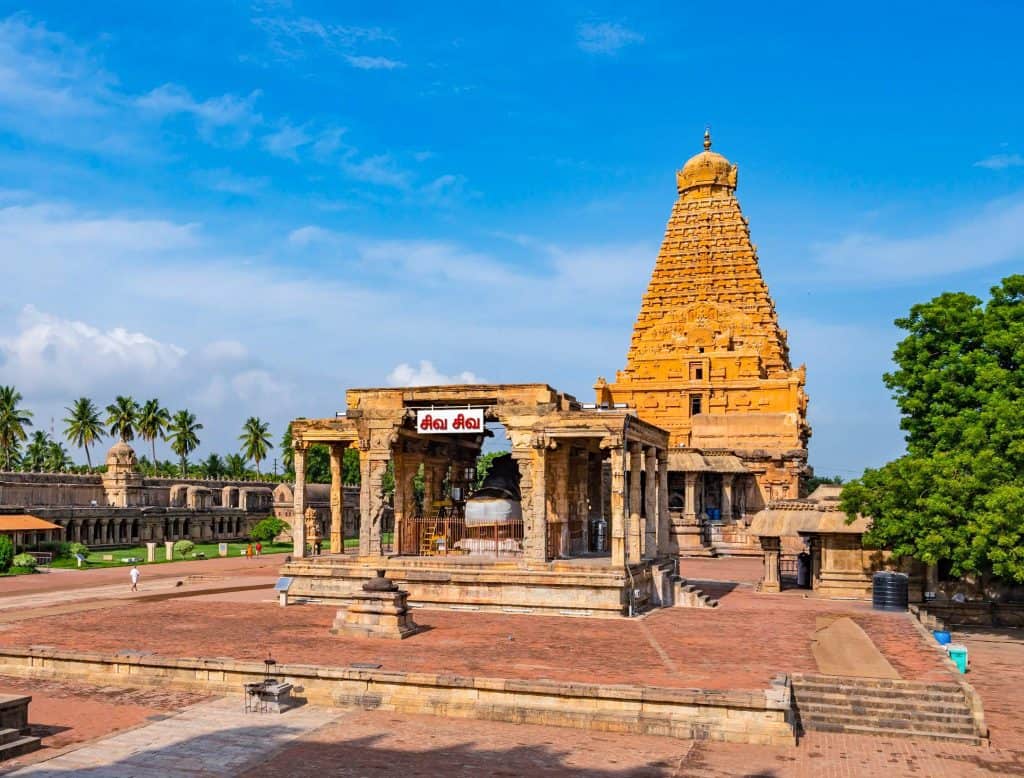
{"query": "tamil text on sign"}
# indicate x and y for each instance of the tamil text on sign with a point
(464, 420)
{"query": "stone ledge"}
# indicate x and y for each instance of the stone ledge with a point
(735, 716)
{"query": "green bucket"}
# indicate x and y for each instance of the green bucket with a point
(958, 654)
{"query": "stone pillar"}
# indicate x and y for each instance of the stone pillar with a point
(337, 500)
(634, 539)
(664, 520)
(299, 506)
(151, 552)
(371, 500)
(169, 550)
(690, 509)
(727, 479)
(428, 489)
(650, 538)
(559, 498)
(401, 499)
(618, 508)
(772, 578)
(536, 540)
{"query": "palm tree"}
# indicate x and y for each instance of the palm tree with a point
(123, 418)
(287, 452)
(37, 453)
(234, 465)
(182, 436)
(57, 458)
(255, 440)
(152, 422)
(13, 421)
(84, 425)
(212, 466)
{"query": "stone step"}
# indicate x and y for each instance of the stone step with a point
(689, 596)
(874, 683)
(813, 721)
(9, 735)
(905, 695)
(953, 717)
(25, 744)
(861, 729)
(886, 703)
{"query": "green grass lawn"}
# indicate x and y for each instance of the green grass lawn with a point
(95, 559)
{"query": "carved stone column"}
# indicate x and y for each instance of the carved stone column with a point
(401, 464)
(650, 536)
(690, 509)
(772, 578)
(618, 506)
(372, 465)
(634, 534)
(664, 520)
(727, 479)
(299, 506)
(337, 500)
(536, 531)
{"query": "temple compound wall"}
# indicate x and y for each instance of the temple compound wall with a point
(709, 363)
(123, 507)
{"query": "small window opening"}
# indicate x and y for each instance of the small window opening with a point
(694, 404)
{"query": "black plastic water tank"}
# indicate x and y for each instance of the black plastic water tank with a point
(889, 591)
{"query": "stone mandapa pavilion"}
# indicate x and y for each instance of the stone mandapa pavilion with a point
(579, 471)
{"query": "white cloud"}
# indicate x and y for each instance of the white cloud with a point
(224, 112)
(426, 374)
(287, 141)
(380, 169)
(224, 180)
(1001, 161)
(373, 63)
(989, 237)
(292, 37)
(606, 37)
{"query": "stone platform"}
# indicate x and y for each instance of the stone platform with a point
(586, 586)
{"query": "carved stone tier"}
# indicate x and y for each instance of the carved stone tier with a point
(379, 610)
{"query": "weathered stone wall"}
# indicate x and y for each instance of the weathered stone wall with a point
(764, 717)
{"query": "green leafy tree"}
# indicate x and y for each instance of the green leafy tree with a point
(184, 547)
(483, 465)
(123, 418)
(24, 562)
(255, 440)
(350, 467)
(13, 421)
(234, 466)
(183, 436)
(37, 452)
(815, 481)
(287, 452)
(58, 460)
(152, 422)
(6, 553)
(267, 529)
(84, 427)
(212, 466)
(958, 493)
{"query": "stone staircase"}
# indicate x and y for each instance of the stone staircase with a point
(869, 706)
(14, 742)
(686, 595)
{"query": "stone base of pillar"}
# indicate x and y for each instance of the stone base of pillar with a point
(689, 540)
(769, 587)
(151, 552)
(380, 610)
(169, 549)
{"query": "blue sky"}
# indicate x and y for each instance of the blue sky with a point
(248, 207)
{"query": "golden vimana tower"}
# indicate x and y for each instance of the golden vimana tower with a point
(708, 360)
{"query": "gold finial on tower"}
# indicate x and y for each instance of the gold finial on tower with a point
(707, 138)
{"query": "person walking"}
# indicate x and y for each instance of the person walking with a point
(259, 548)
(134, 575)
(248, 551)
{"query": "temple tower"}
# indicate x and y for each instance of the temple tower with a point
(708, 360)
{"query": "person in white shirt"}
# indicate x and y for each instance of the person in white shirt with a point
(134, 574)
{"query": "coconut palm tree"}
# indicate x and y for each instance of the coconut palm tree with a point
(287, 452)
(58, 460)
(13, 421)
(255, 440)
(37, 453)
(181, 433)
(123, 418)
(152, 422)
(234, 465)
(84, 425)
(212, 466)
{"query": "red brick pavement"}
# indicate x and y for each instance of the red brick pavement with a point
(730, 568)
(741, 645)
(66, 714)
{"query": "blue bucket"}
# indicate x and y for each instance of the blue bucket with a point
(943, 637)
(958, 654)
